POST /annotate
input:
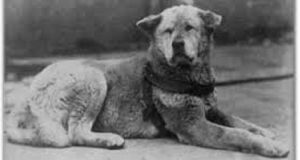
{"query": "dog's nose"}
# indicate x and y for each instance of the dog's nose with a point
(178, 45)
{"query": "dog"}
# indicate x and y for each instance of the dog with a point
(167, 92)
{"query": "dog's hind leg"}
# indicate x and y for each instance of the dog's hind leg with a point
(25, 128)
(80, 132)
(51, 134)
(87, 104)
(217, 116)
(83, 136)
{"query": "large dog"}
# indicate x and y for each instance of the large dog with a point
(169, 91)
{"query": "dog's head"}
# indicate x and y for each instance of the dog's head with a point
(180, 34)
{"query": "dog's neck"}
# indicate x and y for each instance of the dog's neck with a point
(196, 81)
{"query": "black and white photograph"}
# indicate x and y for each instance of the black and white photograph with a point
(149, 80)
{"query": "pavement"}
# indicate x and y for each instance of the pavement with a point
(269, 104)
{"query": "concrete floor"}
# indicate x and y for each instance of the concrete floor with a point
(269, 104)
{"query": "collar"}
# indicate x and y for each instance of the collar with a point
(177, 86)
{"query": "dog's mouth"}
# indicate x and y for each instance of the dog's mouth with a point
(180, 59)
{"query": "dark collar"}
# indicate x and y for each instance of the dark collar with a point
(177, 86)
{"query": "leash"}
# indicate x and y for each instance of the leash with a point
(254, 80)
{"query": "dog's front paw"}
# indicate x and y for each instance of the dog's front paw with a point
(263, 132)
(270, 148)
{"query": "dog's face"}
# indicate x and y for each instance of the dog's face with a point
(180, 34)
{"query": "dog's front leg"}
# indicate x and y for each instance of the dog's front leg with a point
(185, 117)
(193, 129)
(217, 116)
(212, 135)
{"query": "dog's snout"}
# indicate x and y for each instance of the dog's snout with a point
(178, 45)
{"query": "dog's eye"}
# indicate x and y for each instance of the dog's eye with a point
(188, 27)
(169, 31)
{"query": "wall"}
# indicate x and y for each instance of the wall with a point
(43, 27)
(243, 19)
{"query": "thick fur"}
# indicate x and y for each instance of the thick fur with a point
(98, 103)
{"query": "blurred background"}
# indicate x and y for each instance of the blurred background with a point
(253, 57)
(43, 28)
(55, 28)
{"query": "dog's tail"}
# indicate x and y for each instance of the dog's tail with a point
(19, 123)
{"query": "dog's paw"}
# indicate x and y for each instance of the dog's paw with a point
(270, 148)
(263, 132)
(114, 142)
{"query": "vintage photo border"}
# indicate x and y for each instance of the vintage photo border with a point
(296, 81)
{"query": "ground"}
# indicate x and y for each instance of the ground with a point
(269, 104)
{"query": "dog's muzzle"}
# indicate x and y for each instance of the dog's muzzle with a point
(179, 54)
(180, 58)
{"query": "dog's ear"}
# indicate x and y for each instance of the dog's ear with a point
(211, 19)
(149, 24)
